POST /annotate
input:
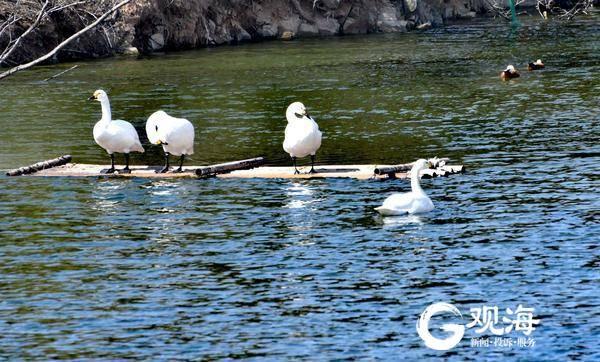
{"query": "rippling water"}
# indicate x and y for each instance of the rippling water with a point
(116, 269)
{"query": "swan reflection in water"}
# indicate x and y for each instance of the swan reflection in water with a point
(299, 196)
(301, 206)
(402, 220)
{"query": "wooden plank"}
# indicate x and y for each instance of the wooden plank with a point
(360, 172)
(236, 169)
(87, 170)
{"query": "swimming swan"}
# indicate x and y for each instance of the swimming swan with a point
(302, 135)
(176, 135)
(114, 135)
(412, 202)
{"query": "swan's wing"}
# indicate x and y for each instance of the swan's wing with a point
(125, 135)
(179, 135)
(421, 204)
(397, 204)
(290, 139)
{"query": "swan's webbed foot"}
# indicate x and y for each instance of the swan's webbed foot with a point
(125, 170)
(312, 170)
(296, 172)
(178, 170)
(109, 171)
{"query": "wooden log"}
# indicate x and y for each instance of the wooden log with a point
(390, 170)
(437, 163)
(230, 166)
(59, 161)
(453, 169)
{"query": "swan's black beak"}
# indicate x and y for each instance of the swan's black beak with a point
(91, 98)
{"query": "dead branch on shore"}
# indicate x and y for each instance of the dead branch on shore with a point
(563, 9)
(48, 7)
(500, 9)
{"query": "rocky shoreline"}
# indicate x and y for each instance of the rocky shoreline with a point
(146, 26)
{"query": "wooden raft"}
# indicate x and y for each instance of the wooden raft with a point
(250, 168)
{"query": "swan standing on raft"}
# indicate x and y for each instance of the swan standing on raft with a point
(412, 202)
(114, 135)
(176, 135)
(302, 135)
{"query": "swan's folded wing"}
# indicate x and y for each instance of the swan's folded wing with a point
(396, 204)
(389, 212)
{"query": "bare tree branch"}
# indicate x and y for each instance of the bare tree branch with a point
(11, 48)
(64, 43)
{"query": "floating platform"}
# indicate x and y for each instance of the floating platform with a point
(250, 168)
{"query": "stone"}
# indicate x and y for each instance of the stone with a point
(355, 26)
(388, 22)
(424, 26)
(306, 29)
(411, 5)
(268, 31)
(131, 51)
(327, 26)
(157, 40)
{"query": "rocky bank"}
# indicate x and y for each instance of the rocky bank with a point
(147, 26)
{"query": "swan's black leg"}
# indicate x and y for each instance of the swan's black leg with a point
(312, 164)
(180, 169)
(126, 169)
(112, 164)
(166, 168)
(295, 168)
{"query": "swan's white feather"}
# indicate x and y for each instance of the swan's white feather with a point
(413, 202)
(114, 135)
(175, 134)
(117, 136)
(302, 134)
(407, 203)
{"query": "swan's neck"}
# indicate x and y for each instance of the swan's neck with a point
(106, 115)
(415, 184)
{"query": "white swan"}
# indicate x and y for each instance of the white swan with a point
(412, 202)
(176, 135)
(114, 135)
(302, 135)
